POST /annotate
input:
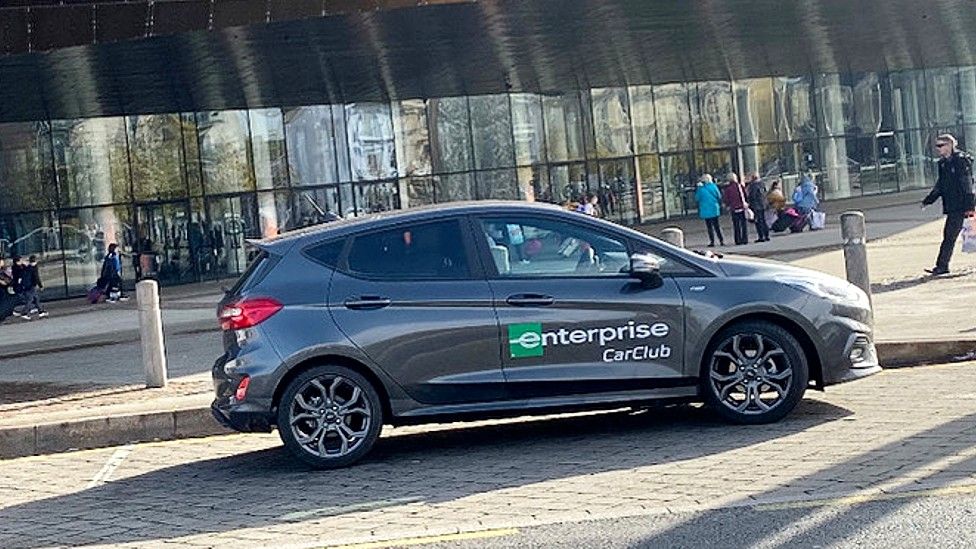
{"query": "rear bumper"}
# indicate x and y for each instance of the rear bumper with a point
(247, 416)
(245, 422)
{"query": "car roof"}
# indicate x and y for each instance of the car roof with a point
(282, 242)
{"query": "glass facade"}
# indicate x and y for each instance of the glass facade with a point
(182, 192)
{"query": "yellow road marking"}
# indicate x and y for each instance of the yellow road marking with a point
(426, 540)
(868, 498)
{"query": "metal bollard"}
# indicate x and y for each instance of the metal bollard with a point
(151, 333)
(673, 235)
(854, 233)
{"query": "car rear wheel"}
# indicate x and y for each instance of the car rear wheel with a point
(330, 416)
(754, 372)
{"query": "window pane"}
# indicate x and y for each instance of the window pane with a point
(341, 142)
(564, 123)
(86, 234)
(942, 91)
(536, 247)
(498, 185)
(568, 182)
(652, 190)
(645, 123)
(491, 128)
(312, 206)
(93, 167)
(794, 107)
(233, 220)
(379, 197)
(766, 160)
(755, 106)
(412, 137)
(191, 152)
(371, 149)
(431, 250)
(862, 167)
(679, 184)
(268, 146)
(716, 120)
(912, 160)
(26, 181)
(611, 119)
(37, 234)
(908, 99)
(799, 158)
(311, 145)
(967, 94)
(451, 142)
(528, 129)
(156, 153)
(888, 155)
(270, 223)
(224, 152)
(454, 187)
(533, 184)
(419, 191)
(836, 182)
(617, 194)
(161, 246)
(868, 105)
(673, 116)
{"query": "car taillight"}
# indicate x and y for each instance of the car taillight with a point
(241, 392)
(248, 313)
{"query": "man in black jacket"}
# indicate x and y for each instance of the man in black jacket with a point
(29, 286)
(956, 189)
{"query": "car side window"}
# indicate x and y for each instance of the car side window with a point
(534, 247)
(432, 250)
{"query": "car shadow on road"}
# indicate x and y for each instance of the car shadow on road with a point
(943, 456)
(268, 487)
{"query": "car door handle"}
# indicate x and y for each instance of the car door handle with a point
(367, 302)
(529, 300)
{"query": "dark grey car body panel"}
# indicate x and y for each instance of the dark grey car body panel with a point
(441, 347)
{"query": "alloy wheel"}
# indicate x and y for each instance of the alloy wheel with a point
(750, 373)
(330, 416)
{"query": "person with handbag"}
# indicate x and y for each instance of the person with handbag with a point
(756, 198)
(734, 198)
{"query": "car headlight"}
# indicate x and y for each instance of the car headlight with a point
(837, 291)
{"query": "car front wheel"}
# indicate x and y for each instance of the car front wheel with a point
(330, 416)
(754, 372)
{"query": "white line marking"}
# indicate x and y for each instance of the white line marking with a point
(111, 465)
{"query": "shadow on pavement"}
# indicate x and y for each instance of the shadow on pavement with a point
(880, 288)
(268, 487)
(861, 472)
(17, 392)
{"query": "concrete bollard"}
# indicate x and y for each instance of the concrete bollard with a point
(151, 333)
(854, 233)
(673, 235)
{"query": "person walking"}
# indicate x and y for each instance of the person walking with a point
(30, 288)
(805, 198)
(956, 189)
(110, 280)
(709, 200)
(734, 198)
(16, 275)
(756, 198)
(8, 295)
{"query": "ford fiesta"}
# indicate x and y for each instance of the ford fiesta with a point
(495, 308)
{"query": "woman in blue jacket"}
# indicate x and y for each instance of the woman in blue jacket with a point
(709, 200)
(805, 196)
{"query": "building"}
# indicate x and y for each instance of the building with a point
(184, 127)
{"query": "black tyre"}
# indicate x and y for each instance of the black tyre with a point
(330, 416)
(754, 372)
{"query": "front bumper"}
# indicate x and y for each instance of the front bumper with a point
(859, 359)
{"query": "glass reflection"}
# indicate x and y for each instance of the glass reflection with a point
(86, 234)
(162, 246)
(716, 114)
(224, 152)
(528, 129)
(491, 130)
(645, 123)
(754, 100)
(908, 98)
(232, 220)
(942, 92)
(679, 184)
(311, 145)
(652, 189)
(618, 191)
(372, 154)
(568, 182)
(25, 167)
(868, 112)
(36, 234)
(156, 154)
(794, 107)
(533, 184)
(835, 102)
(673, 116)
(92, 161)
(564, 123)
(191, 154)
(412, 137)
(268, 148)
(416, 191)
(497, 185)
(454, 187)
(450, 134)
(312, 206)
(611, 118)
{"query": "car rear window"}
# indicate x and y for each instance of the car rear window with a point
(421, 251)
(259, 267)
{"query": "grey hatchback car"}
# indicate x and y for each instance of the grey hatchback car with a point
(508, 308)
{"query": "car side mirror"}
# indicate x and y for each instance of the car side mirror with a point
(647, 269)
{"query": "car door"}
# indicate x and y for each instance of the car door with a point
(413, 298)
(571, 319)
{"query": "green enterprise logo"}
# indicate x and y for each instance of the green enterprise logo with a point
(525, 340)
